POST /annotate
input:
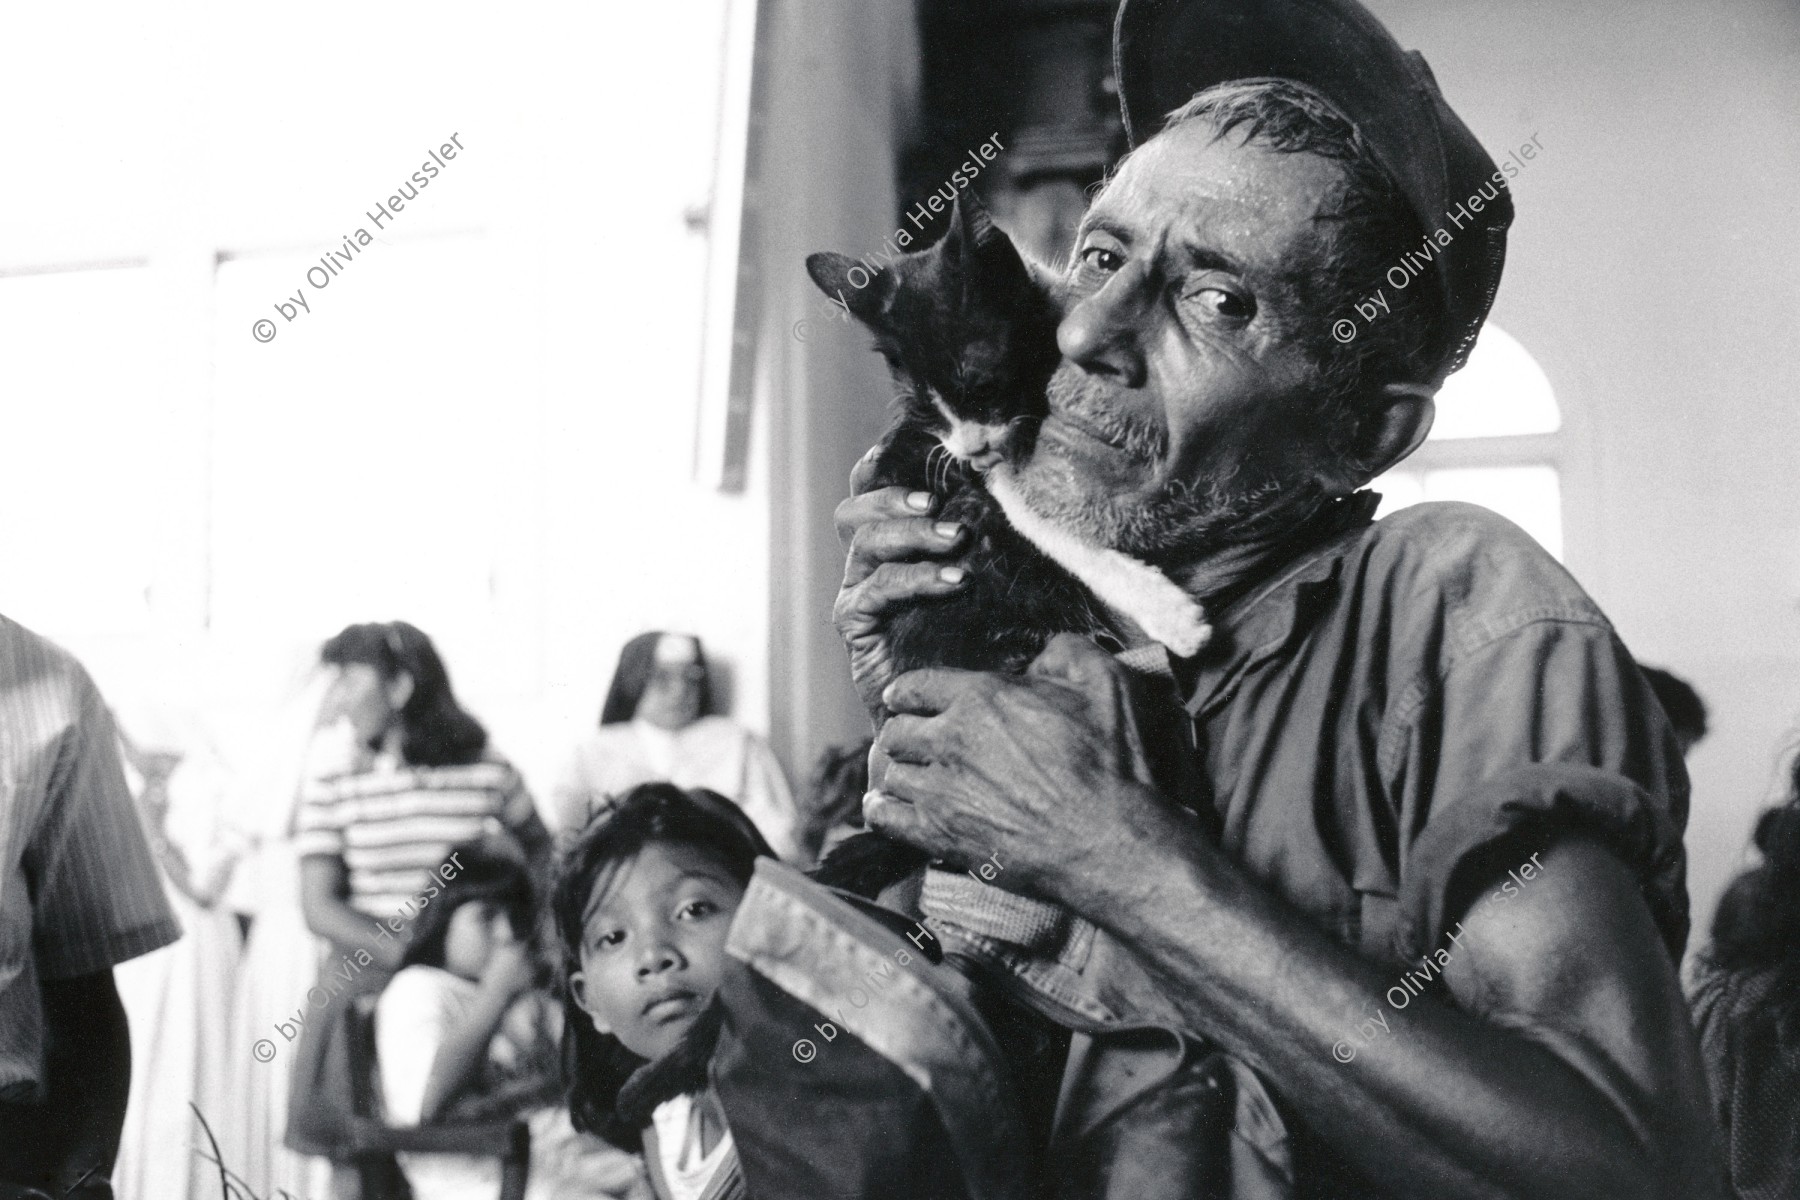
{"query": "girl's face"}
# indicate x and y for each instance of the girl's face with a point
(653, 946)
(359, 695)
(476, 929)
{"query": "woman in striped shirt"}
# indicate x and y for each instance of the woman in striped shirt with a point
(407, 775)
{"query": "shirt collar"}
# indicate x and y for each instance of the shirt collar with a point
(1266, 616)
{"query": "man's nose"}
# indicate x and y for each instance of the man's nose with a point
(1103, 334)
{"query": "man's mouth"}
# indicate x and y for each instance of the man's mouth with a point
(1064, 421)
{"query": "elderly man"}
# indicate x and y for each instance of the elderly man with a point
(1443, 914)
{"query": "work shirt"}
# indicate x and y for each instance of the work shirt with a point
(1394, 720)
(79, 892)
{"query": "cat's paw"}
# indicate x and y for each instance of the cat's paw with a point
(1175, 620)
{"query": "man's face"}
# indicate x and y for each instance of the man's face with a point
(1185, 401)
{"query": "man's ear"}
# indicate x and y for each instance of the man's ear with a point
(578, 990)
(1396, 424)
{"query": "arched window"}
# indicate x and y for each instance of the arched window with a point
(1495, 443)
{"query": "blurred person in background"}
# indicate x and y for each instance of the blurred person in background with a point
(78, 896)
(834, 797)
(413, 777)
(469, 1031)
(178, 998)
(655, 727)
(1685, 709)
(281, 955)
(1745, 992)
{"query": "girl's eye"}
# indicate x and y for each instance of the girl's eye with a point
(611, 937)
(698, 908)
(1225, 304)
(1102, 259)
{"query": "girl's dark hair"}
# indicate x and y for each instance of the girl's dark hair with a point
(1757, 925)
(484, 871)
(636, 662)
(598, 1065)
(435, 731)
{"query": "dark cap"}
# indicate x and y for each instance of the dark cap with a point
(1165, 51)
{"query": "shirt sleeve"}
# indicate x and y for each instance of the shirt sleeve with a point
(318, 825)
(1541, 728)
(416, 1012)
(97, 898)
(332, 757)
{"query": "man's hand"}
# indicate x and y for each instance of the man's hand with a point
(1047, 770)
(897, 554)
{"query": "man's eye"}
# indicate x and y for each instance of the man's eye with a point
(1225, 304)
(1102, 259)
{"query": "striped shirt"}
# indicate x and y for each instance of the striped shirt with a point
(79, 892)
(394, 825)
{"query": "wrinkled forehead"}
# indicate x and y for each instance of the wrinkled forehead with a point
(1195, 191)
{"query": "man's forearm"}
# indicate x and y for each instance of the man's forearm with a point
(88, 1073)
(1516, 1120)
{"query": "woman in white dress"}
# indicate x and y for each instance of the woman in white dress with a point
(655, 727)
(178, 999)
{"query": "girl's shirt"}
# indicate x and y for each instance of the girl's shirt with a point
(681, 1171)
(394, 825)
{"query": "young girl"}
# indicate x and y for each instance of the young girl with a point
(642, 904)
(463, 1033)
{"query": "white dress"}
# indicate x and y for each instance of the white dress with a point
(713, 752)
(177, 1002)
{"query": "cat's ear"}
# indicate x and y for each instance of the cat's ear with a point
(971, 231)
(849, 282)
(975, 241)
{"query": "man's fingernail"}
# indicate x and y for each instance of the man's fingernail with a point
(947, 529)
(918, 500)
(951, 574)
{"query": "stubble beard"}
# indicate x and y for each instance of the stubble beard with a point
(1179, 520)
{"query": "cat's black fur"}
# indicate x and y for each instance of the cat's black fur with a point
(965, 320)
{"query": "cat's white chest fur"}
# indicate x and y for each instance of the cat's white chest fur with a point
(1154, 601)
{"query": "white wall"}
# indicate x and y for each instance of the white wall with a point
(485, 424)
(1655, 274)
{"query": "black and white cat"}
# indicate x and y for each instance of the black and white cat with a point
(968, 328)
